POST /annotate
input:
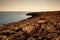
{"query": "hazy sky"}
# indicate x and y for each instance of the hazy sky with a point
(29, 5)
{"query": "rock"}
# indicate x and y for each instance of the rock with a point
(28, 29)
(40, 26)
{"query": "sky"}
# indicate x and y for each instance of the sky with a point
(29, 5)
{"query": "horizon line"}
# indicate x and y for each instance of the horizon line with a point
(29, 11)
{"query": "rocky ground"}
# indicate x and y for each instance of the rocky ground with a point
(41, 26)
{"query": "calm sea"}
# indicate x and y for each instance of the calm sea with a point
(8, 17)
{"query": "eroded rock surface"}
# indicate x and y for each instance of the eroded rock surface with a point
(41, 26)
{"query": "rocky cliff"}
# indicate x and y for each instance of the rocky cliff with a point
(41, 26)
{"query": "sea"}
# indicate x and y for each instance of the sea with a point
(8, 17)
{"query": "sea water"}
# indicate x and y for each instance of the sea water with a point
(8, 17)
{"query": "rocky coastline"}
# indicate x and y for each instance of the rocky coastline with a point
(41, 26)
